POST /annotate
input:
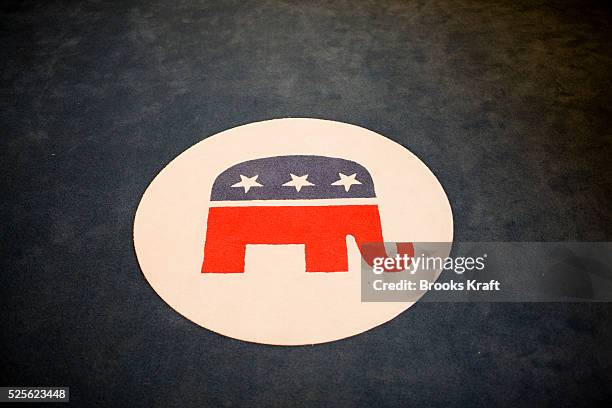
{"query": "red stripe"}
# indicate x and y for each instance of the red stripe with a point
(322, 229)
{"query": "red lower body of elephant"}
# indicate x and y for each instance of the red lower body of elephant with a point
(322, 230)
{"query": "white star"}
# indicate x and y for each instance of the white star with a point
(346, 181)
(247, 182)
(298, 182)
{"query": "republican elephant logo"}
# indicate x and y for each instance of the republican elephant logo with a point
(315, 201)
(275, 222)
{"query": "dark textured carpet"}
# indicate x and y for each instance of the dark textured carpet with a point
(509, 103)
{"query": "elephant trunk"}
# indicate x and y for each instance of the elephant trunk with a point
(369, 238)
(372, 251)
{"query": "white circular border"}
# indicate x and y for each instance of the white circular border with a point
(279, 303)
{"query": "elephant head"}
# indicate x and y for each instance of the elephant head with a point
(312, 200)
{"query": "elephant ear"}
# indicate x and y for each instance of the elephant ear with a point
(270, 178)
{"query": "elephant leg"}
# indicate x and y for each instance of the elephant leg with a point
(223, 257)
(327, 255)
